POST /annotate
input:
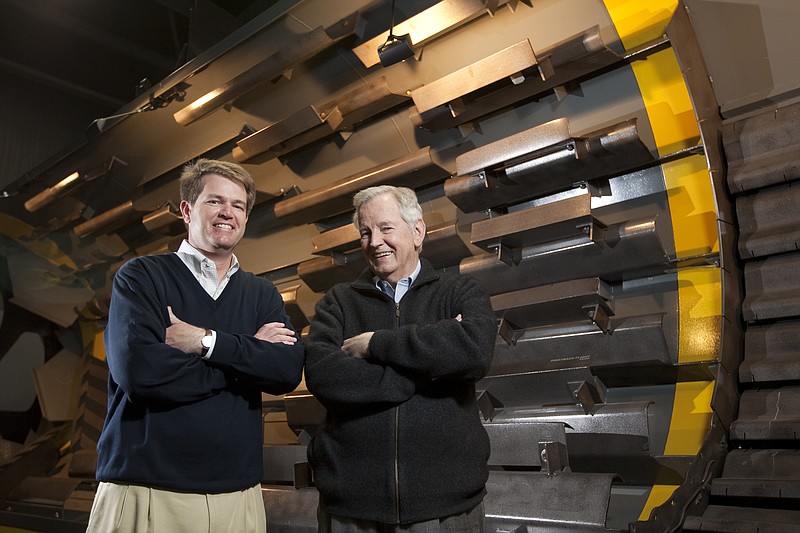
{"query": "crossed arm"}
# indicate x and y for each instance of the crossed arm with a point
(186, 337)
(358, 346)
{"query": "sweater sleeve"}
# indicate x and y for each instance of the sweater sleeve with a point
(275, 368)
(339, 381)
(448, 348)
(140, 362)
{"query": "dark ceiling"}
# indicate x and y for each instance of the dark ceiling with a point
(105, 51)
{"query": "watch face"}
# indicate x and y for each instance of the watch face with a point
(206, 341)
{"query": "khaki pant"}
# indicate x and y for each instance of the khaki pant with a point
(136, 509)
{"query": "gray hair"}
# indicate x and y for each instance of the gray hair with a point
(406, 200)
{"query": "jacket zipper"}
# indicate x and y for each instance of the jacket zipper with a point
(397, 437)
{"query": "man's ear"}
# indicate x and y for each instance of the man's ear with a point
(186, 211)
(419, 232)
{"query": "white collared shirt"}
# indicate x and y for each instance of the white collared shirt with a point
(397, 292)
(205, 270)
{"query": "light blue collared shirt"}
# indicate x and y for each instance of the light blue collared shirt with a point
(401, 289)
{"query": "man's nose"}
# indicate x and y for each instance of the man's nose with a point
(375, 240)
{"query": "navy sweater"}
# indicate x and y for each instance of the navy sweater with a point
(403, 439)
(177, 421)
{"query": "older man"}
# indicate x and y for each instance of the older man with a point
(394, 357)
(192, 340)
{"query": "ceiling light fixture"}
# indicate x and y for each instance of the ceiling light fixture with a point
(397, 48)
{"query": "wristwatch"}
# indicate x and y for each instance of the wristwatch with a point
(206, 342)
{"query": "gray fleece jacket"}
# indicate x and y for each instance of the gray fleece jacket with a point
(403, 439)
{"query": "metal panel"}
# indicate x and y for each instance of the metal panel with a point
(313, 123)
(772, 288)
(768, 221)
(632, 247)
(768, 414)
(303, 411)
(296, 314)
(413, 170)
(565, 61)
(280, 461)
(542, 160)
(423, 27)
(733, 519)
(570, 218)
(290, 510)
(563, 502)
(771, 353)
(338, 240)
(578, 300)
(634, 353)
(512, 147)
(618, 419)
(762, 149)
(516, 443)
(539, 381)
(272, 137)
(757, 473)
(273, 66)
(509, 63)
(322, 273)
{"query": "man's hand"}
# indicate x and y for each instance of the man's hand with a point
(276, 332)
(184, 336)
(358, 346)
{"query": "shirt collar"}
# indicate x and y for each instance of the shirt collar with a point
(402, 285)
(194, 259)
